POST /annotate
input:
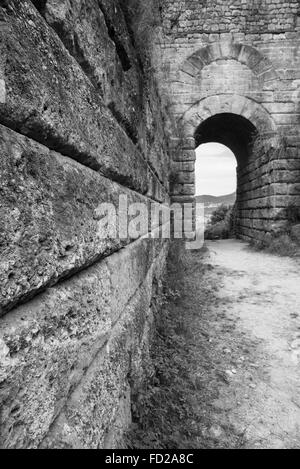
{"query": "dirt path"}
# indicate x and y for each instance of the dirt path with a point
(260, 294)
(225, 357)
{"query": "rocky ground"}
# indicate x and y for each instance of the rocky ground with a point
(226, 354)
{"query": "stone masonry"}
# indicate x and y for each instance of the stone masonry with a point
(84, 120)
(230, 70)
(81, 123)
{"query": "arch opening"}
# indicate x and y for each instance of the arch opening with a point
(234, 131)
(231, 137)
(216, 184)
(215, 170)
(247, 129)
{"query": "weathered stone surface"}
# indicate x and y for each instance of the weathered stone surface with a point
(270, 213)
(279, 227)
(183, 155)
(294, 189)
(270, 16)
(183, 199)
(70, 358)
(156, 189)
(183, 189)
(261, 167)
(50, 217)
(95, 35)
(154, 141)
(119, 30)
(69, 352)
(236, 65)
(183, 166)
(295, 232)
(49, 98)
(94, 405)
(2, 91)
(185, 177)
(74, 343)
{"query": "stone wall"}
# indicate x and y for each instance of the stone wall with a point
(241, 58)
(81, 123)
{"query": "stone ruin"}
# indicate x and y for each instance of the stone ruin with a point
(85, 116)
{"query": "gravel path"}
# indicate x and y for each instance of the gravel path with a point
(260, 293)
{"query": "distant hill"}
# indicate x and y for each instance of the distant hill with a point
(228, 199)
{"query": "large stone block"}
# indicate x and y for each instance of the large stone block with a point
(84, 329)
(185, 177)
(264, 191)
(96, 35)
(294, 189)
(280, 107)
(285, 201)
(51, 223)
(183, 189)
(116, 23)
(186, 166)
(92, 409)
(286, 176)
(183, 155)
(295, 232)
(251, 233)
(183, 199)
(50, 99)
(156, 189)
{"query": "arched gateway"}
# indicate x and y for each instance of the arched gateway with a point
(232, 93)
(236, 122)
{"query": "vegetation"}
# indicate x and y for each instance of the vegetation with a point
(220, 214)
(282, 245)
(282, 242)
(174, 410)
(221, 223)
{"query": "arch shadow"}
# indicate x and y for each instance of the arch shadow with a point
(234, 131)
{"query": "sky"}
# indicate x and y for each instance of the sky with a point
(215, 170)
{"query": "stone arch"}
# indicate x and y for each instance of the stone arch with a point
(229, 104)
(232, 130)
(232, 120)
(247, 55)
